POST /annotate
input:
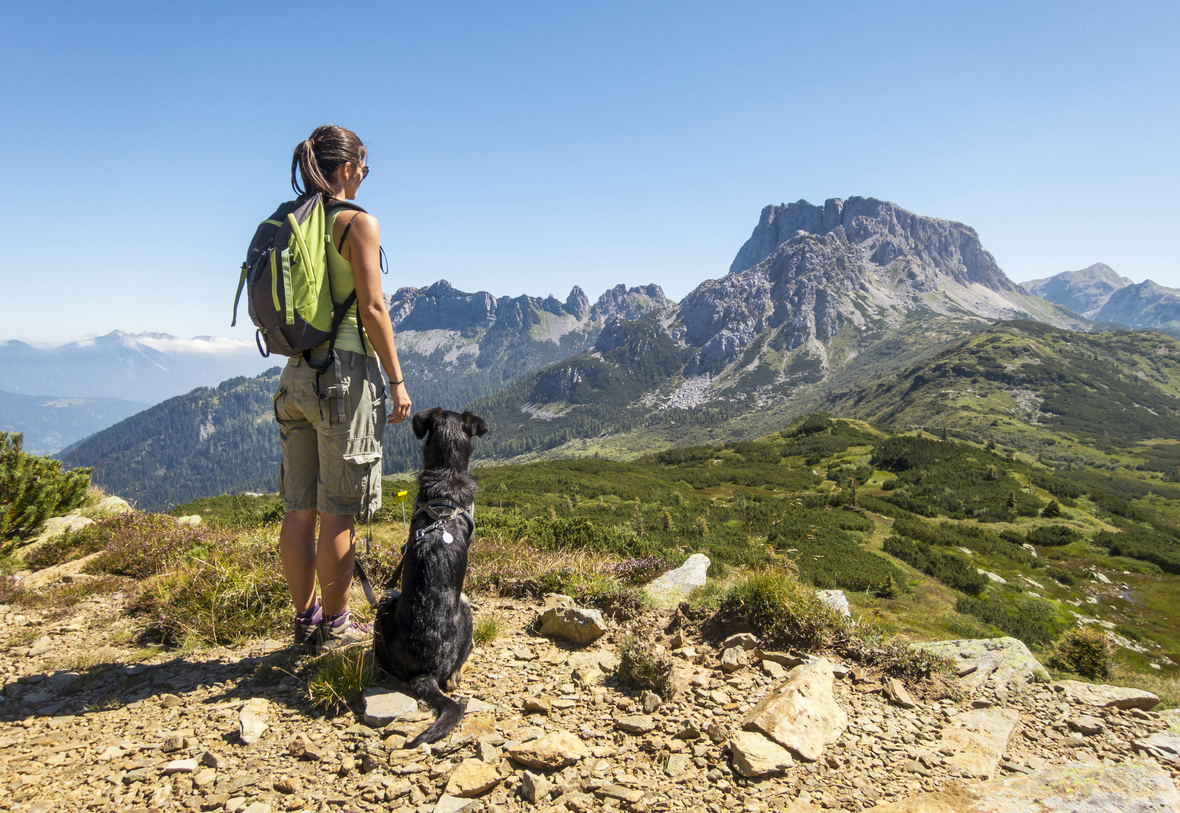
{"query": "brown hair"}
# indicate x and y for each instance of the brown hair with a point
(319, 157)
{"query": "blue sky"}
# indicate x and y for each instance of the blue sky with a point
(525, 147)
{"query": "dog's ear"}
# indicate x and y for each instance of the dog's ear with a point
(474, 425)
(423, 422)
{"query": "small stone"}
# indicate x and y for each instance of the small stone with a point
(251, 726)
(288, 784)
(755, 755)
(635, 724)
(1086, 724)
(452, 804)
(534, 788)
(539, 705)
(172, 744)
(212, 760)
(896, 693)
(347, 766)
(745, 640)
(549, 753)
(733, 659)
(204, 778)
(619, 793)
(471, 778)
(650, 701)
(575, 624)
(180, 766)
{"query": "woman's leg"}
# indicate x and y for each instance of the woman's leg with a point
(334, 559)
(298, 551)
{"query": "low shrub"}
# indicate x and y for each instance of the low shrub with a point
(783, 611)
(646, 665)
(338, 678)
(1083, 651)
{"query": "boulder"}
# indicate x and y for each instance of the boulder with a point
(1094, 694)
(994, 663)
(801, 714)
(979, 739)
(675, 585)
(836, 600)
(575, 624)
(1138, 785)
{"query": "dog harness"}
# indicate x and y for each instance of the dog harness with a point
(440, 511)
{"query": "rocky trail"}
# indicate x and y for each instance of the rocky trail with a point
(549, 725)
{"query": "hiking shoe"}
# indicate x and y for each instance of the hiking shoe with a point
(338, 631)
(307, 629)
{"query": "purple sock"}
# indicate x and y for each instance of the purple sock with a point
(338, 620)
(312, 617)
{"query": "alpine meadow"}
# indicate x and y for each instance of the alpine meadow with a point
(866, 439)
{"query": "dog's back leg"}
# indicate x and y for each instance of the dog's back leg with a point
(449, 711)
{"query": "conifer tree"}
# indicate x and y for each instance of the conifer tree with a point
(34, 488)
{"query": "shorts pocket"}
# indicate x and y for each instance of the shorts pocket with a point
(277, 400)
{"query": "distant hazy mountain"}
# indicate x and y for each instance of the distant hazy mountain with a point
(1146, 306)
(1083, 292)
(51, 423)
(454, 347)
(147, 367)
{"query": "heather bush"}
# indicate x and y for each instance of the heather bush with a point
(144, 545)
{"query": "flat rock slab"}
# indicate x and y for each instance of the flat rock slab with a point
(993, 662)
(801, 714)
(675, 585)
(1163, 745)
(756, 755)
(575, 624)
(1138, 786)
(979, 739)
(383, 706)
(1093, 694)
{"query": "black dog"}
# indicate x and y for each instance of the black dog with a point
(423, 634)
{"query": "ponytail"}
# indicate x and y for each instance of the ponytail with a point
(320, 157)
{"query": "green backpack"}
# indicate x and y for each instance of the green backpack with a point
(285, 277)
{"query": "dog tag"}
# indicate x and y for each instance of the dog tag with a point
(447, 538)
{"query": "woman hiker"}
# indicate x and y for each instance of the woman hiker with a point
(331, 470)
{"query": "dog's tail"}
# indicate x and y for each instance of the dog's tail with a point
(449, 711)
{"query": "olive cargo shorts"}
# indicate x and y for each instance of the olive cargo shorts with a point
(329, 465)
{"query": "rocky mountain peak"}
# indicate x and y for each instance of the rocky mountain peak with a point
(883, 232)
(1084, 291)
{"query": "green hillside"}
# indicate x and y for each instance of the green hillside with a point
(935, 538)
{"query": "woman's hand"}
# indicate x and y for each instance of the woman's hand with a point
(401, 404)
